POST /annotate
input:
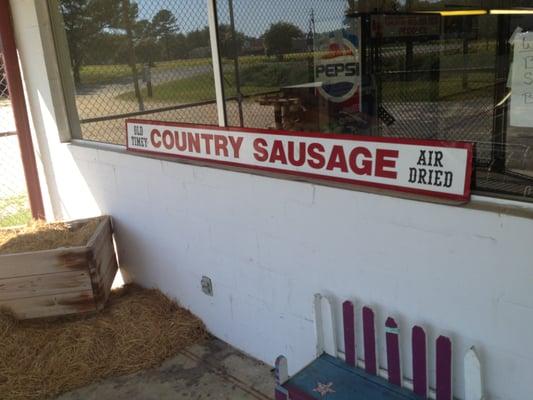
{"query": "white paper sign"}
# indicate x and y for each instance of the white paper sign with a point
(430, 168)
(522, 81)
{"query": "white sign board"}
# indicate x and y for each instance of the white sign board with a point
(522, 81)
(428, 168)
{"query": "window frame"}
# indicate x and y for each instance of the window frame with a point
(62, 56)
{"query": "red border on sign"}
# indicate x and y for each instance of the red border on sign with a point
(468, 146)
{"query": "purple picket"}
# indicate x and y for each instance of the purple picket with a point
(444, 368)
(418, 345)
(393, 351)
(280, 395)
(349, 332)
(369, 340)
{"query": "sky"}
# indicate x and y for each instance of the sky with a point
(252, 17)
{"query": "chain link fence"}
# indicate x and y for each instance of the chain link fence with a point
(266, 54)
(423, 77)
(14, 204)
(446, 90)
(144, 59)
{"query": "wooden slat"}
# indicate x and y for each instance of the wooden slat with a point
(280, 394)
(369, 340)
(348, 315)
(108, 271)
(282, 370)
(393, 351)
(325, 326)
(419, 349)
(103, 264)
(444, 368)
(44, 262)
(101, 261)
(44, 285)
(473, 381)
(79, 222)
(47, 306)
(282, 376)
(100, 233)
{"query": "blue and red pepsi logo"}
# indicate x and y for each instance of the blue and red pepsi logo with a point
(337, 69)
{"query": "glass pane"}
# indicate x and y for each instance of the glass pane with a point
(146, 59)
(413, 69)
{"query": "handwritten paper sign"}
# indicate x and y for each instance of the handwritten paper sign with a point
(436, 169)
(522, 81)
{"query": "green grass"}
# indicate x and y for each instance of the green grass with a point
(14, 211)
(198, 88)
(102, 74)
(201, 87)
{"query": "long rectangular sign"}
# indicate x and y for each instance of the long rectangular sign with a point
(429, 168)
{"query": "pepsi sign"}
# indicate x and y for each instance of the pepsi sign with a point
(337, 68)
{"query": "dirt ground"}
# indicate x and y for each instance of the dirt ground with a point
(211, 370)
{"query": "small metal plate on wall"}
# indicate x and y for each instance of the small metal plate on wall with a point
(207, 286)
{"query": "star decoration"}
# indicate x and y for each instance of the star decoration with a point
(324, 388)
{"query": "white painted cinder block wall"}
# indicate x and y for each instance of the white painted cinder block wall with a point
(270, 244)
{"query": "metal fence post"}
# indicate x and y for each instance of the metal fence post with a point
(217, 65)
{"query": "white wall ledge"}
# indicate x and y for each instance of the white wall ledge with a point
(480, 202)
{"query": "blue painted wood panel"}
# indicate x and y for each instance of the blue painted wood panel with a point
(339, 381)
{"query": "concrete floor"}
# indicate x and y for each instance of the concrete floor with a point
(212, 370)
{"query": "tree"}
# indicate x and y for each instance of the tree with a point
(164, 26)
(279, 36)
(84, 21)
(105, 48)
(145, 42)
(228, 47)
(198, 38)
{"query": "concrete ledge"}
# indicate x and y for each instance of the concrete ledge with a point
(480, 202)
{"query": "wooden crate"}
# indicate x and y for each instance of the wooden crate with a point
(60, 281)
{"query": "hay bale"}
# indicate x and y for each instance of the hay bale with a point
(139, 329)
(40, 235)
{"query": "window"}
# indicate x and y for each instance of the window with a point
(146, 58)
(443, 70)
(416, 69)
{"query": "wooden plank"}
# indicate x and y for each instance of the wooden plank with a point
(47, 306)
(281, 376)
(78, 222)
(473, 381)
(104, 287)
(101, 236)
(419, 352)
(103, 266)
(109, 277)
(100, 233)
(392, 333)
(281, 394)
(282, 370)
(44, 285)
(44, 262)
(348, 315)
(444, 368)
(100, 261)
(325, 326)
(329, 377)
(369, 341)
